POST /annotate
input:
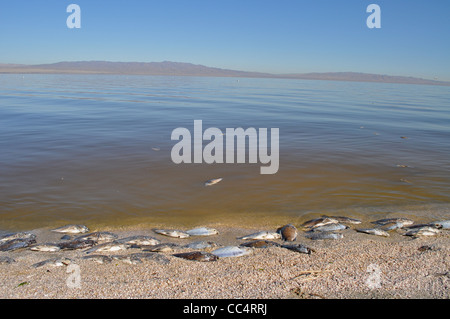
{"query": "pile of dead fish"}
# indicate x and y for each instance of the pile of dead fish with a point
(322, 228)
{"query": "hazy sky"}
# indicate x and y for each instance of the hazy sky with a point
(283, 36)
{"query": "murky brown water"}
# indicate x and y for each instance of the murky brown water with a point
(96, 150)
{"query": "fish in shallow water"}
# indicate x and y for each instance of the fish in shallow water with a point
(262, 235)
(213, 181)
(299, 248)
(288, 232)
(202, 231)
(373, 231)
(231, 251)
(107, 247)
(140, 240)
(20, 235)
(71, 229)
(55, 262)
(198, 256)
(172, 233)
(47, 247)
(17, 243)
(323, 235)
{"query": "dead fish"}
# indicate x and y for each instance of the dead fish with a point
(17, 243)
(47, 247)
(288, 232)
(129, 259)
(442, 224)
(200, 245)
(404, 221)
(231, 251)
(346, 220)
(5, 260)
(202, 231)
(101, 259)
(66, 237)
(323, 235)
(162, 248)
(393, 225)
(19, 235)
(213, 181)
(71, 229)
(321, 221)
(198, 256)
(423, 231)
(158, 258)
(260, 244)
(299, 248)
(98, 236)
(262, 235)
(373, 231)
(77, 244)
(329, 227)
(107, 247)
(55, 262)
(172, 233)
(140, 240)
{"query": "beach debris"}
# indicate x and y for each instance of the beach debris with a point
(373, 231)
(288, 232)
(101, 259)
(98, 236)
(404, 221)
(55, 262)
(139, 240)
(107, 247)
(442, 224)
(202, 231)
(5, 260)
(321, 221)
(213, 181)
(404, 180)
(262, 235)
(231, 251)
(200, 245)
(77, 244)
(323, 235)
(172, 233)
(129, 259)
(197, 256)
(422, 231)
(17, 243)
(71, 229)
(329, 227)
(261, 243)
(162, 248)
(46, 247)
(158, 258)
(299, 248)
(346, 220)
(19, 235)
(426, 248)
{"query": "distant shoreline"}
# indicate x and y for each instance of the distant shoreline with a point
(187, 69)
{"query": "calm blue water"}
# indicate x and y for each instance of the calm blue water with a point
(96, 149)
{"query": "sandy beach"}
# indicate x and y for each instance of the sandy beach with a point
(356, 266)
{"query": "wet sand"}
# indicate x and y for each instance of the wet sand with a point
(357, 266)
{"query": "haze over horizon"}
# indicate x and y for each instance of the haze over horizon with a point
(254, 36)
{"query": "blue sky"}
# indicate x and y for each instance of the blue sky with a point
(283, 36)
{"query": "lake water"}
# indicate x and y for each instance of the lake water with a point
(96, 150)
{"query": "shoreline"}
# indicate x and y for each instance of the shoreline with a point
(357, 266)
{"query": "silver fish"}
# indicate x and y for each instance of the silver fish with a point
(393, 225)
(323, 235)
(260, 243)
(163, 248)
(107, 247)
(140, 240)
(329, 227)
(299, 248)
(288, 232)
(172, 233)
(321, 221)
(213, 181)
(20, 235)
(373, 231)
(129, 259)
(423, 231)
(202, 231)
(101, 259)
(17, 243)
(231, 251)
(72, 229)
(47, 247)
(198, 256)
(77, 244)
(262, 235)
(442, 224)
(98, 236)
(200, 245)
(346, 220)
(405, 221)
(55, 262)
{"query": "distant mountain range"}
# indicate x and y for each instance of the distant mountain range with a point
(187, 69)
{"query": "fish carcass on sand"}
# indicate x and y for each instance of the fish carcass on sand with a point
(321, 221)
(72, 229)
(107, 247)
(373, 231)
(202, 231)
(197, 256)
(17, 243)
(172, 233)
(231, 251)
(46, 247)
(262, 235)
(323, 235)
(299, 248)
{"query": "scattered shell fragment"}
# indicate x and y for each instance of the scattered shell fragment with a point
(172, 233)
(72, 229)
(288, 232)
(213, 181)
(373, 231)
(197, 256)
(262, 235)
